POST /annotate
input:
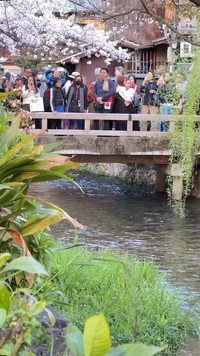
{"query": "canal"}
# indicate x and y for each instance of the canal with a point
(137, 220)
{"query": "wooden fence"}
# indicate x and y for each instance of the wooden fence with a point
(89, 119)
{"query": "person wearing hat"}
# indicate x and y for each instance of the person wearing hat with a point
(69, 81)
(73, 75)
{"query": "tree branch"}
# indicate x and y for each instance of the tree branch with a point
(172, 28)
(156, 17)
(195, 2)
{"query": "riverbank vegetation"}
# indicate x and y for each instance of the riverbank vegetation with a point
(184, 141)
(134, 296)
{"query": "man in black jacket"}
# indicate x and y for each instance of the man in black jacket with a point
(149, 105)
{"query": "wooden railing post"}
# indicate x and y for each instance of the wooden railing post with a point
(87, 123)
(44, 124)
(171, 126)
(129, 123)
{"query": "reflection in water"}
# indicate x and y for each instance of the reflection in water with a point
(134, 219)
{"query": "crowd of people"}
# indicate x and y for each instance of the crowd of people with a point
(120, 95)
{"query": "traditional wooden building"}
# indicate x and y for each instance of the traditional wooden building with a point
(150, 37)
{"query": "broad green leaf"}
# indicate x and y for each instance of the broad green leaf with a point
(27, 176)
(64, 214)
(4, 297)
(7, 349)
(10, 135)
(16, 236)
(26, 264)
(14, 150)
(50, 146)
(22, 203)
(52, 217)
(16, 161)
(135, 350)
(6, 94)
(74, 340)
(8, 196)
(37, 308)
(4, 258)
(39, 224)
(66, 167)
(51, 317)
(96, 336)
(38, 150)
(6, 185)
(2, 317)
(52, 175)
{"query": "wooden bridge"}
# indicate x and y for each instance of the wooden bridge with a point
(128, 146)
(113, 146)
(91, 145)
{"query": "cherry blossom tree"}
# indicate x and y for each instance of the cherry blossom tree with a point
(142, 12)
(47, 26)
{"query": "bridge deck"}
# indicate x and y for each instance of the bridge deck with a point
(88, 145)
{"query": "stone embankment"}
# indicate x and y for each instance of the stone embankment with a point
(136, 173)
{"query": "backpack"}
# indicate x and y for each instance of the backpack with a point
(46, 100)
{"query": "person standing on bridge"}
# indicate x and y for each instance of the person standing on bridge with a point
(57, 102)
(123, 101)
(77, 101)
(104, 90)
(149, 105)
(90, 96)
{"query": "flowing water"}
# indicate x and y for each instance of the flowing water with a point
(122, 216)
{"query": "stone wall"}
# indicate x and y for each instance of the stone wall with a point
(140, 173)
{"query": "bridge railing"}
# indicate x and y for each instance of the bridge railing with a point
(89, 119)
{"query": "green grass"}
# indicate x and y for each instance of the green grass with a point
(93, 168)
(133, 296)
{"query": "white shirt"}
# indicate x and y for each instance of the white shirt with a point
(28, 95)
(127, 95)
(130, 93)
(67, 85)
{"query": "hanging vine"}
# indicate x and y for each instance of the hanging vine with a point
(184, 140)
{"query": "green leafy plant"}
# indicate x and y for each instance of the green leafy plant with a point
(23, 221)
(168, 93)
(29, 61)
(19, 327)
(184, 140)
(96, 341)
(21, 164)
